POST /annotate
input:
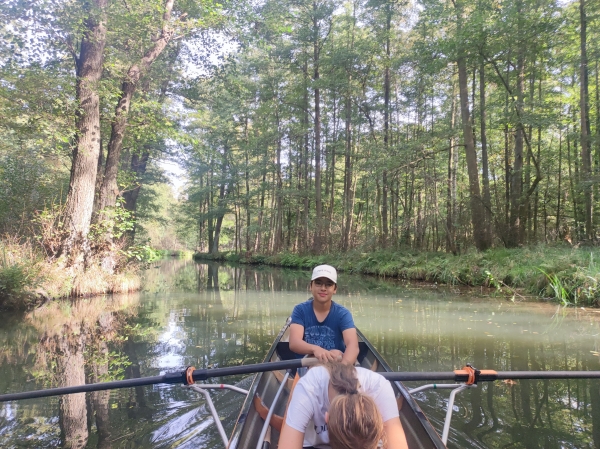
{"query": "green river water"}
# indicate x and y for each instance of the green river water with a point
(212, 316)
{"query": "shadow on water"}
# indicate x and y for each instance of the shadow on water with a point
(207, 315)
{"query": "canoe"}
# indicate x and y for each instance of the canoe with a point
(420, 434)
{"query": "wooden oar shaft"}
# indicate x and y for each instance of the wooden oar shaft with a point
(485, 377)
(203, 374)
(169, 378)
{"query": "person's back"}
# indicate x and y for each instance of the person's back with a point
(342, 407)
(320, 326)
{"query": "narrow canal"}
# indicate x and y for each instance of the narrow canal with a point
(210, 315)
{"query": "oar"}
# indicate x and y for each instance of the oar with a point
(186, 377)
(489, 375)
(191, 375)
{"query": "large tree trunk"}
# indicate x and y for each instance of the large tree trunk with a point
(477, 209)
(109, 190)
(80, 199)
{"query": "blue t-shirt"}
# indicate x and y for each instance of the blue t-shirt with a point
(328, 333)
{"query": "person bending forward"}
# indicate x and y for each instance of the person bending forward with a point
(339, 406)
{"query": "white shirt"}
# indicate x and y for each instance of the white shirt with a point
(310, 401)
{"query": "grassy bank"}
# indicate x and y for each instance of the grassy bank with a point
(29, 278)
(565, 274)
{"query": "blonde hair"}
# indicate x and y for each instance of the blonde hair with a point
(354, 420)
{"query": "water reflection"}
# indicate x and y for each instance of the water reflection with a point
(207, 315)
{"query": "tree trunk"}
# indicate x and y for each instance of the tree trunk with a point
(220, 214)
(477, 210)
(278, 228)
(221, 204)
(80, 198)
(348, 191)
(517, 213)
(110, 190)
(317, 126)
(559, 180)
(138, 167)
(386, 129)
(305, 165)
(485, 175)
(247, 179)
(586, 151)
(451, 181)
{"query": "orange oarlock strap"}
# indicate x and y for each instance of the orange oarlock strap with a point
(469, 371)
(474, 375)
(189, 378)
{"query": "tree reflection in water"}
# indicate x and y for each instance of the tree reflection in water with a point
(209, 315)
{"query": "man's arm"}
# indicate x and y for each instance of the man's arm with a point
(299, 346)
(396, 439)
(351, 342)
(291, 438)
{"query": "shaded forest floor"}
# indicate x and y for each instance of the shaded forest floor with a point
(565, 274)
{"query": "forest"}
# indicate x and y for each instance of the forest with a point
(299, 128)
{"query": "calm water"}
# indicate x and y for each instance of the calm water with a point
(208, 316)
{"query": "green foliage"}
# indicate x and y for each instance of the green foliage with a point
(20, 273)
(114, 221)
(575, 278)
(143, 253)
(159, 217)
(560, 292)
(27, 185)
(14, 279)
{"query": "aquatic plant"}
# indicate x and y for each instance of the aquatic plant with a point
(561, 292)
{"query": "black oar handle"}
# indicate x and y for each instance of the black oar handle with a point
(169, 378)
(487, 377)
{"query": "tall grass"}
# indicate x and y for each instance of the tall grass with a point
(28, 277)
(19, 272)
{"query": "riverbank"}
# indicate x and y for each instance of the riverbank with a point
(29, 279)
(568, 275)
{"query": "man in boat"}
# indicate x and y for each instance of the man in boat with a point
(342, 407)
(322, 327)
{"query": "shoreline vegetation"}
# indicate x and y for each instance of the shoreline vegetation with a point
(567, 275)
(28, 279)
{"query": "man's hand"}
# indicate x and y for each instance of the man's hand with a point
(337, 354)
(323, 355)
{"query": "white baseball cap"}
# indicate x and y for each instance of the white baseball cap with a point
(324, 271)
